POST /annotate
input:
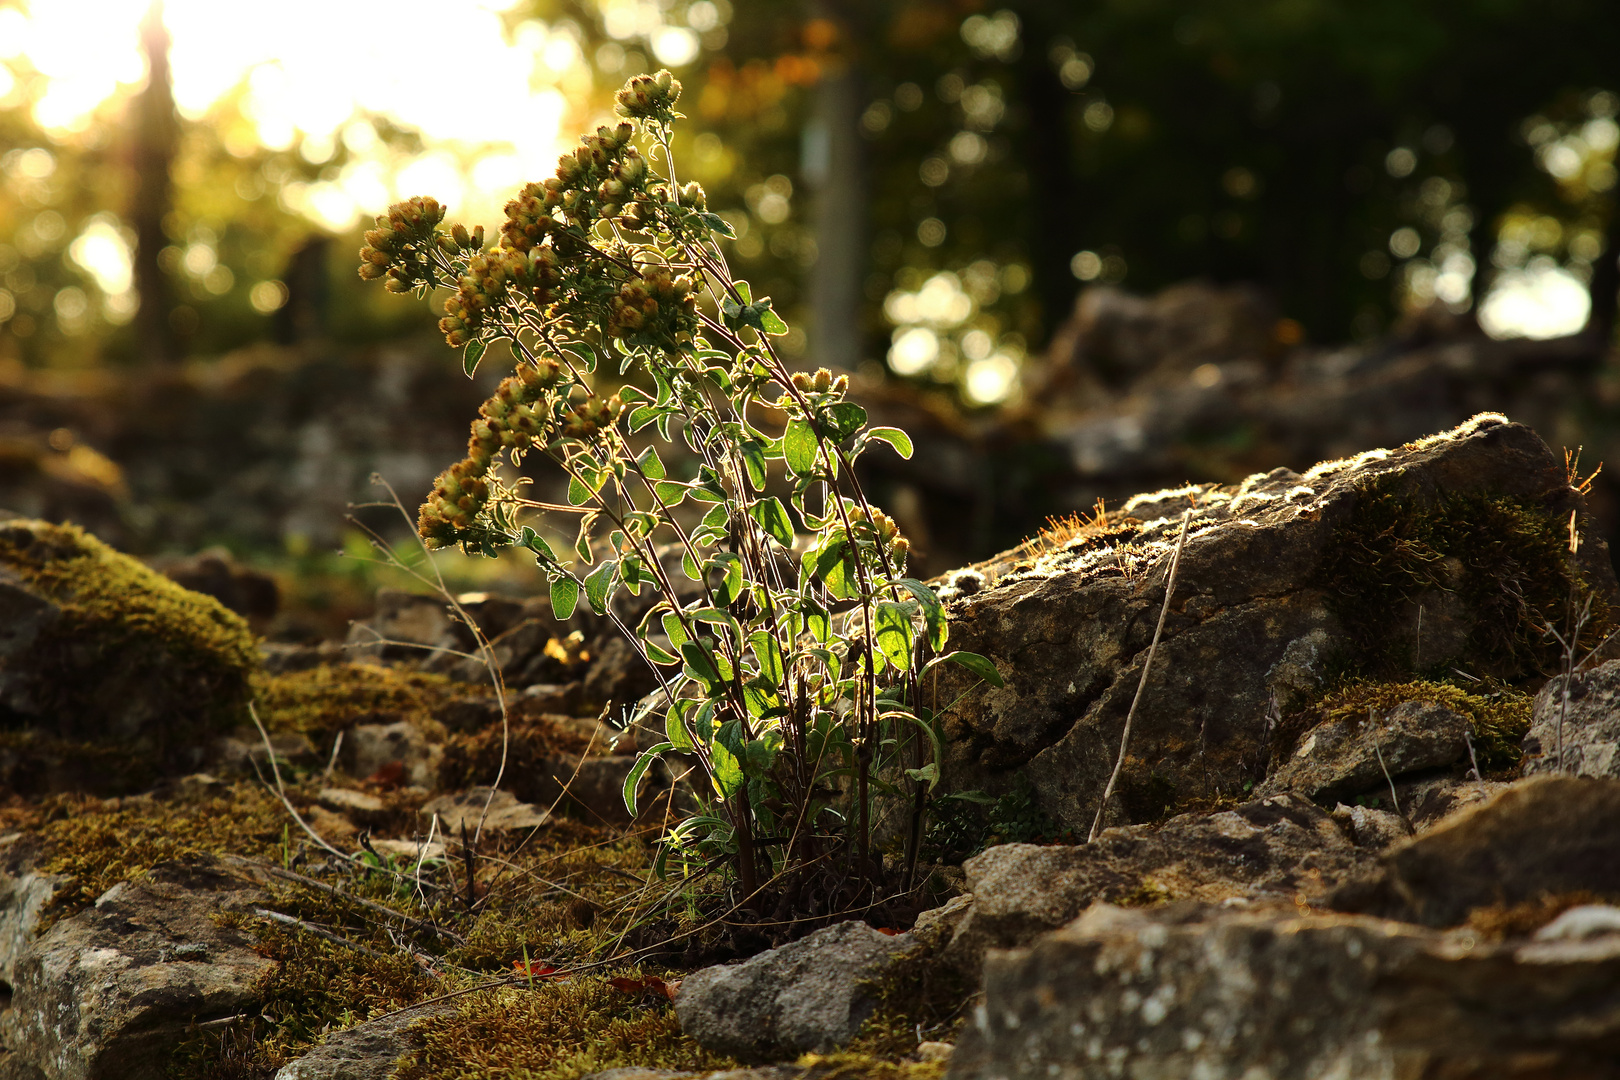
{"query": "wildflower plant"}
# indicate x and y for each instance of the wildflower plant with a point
(792, 660)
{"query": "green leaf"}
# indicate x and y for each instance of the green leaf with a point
(717, 519)
(701, 664)
(892, 626)
(650, 464)
(933, 612)
(675, 727)
(730, 565)
(816, 620)
(630, 573)
(584, 354)
(716, 223)
(642, 415)
(894, 437)
(632, 779)
(669, 492)
(769, 654)
(753, 455)
(771, 322)
(674, 630)
(773, 518)
(975, 663)
(834, 567)
(599, 585)
(760, 697)
(728, 774)
(843, 420)
(578, 493)
(689, 565)
(633, 395)
(564, 597)
(744, 291)
(716, 617)
(582, 543)
(470, 356)
(537, 544)
(799, 447)
(657, 655)
(929, 772)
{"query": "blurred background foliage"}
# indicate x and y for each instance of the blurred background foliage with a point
(924, 185)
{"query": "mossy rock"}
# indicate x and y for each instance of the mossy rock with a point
(111, 675)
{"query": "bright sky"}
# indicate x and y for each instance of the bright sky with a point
(489, 109)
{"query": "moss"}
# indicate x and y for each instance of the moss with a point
(1499, 719)
(531, 747)
(128, 647)
(1507, 561)
(321, 701)
(918, 999)
(557, 1031)
(853, 1065)
(1500, 921)
(94, 844)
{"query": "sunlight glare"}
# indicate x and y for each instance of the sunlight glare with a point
(1541, 301)
(312, 67)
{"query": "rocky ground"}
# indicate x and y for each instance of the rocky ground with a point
(1368, 823)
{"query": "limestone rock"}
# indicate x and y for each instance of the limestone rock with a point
(1370, 827)
(407, 626)
(250, 593)
(360, 807)
(1261, 607)
(1590, 723)
(367, 1051)
(1274, 848)
(464, 809)
(111, 675)
(805, 996)
(1341, 758)
(1179, 992)
(403, 747)
(1543, 835)
(24, 892)
(108, 993)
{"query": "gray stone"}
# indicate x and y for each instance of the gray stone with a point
(1590, 723)
(408, 626)
(24, 892)
(1279, 848)
(108, 993)
(805, 996)
(1580, 923)
(367, 1051)
(500, 812)
(1338, 759)
(360, 807)
(1251, 626)
(1542, 835)
(1370, 827)
(1224, 995)
(368, 748)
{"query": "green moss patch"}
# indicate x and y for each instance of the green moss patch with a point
(94, 844)
(557, 1031)
(1507, 561)
(132, 659)
(1499, 719)
(321, 701)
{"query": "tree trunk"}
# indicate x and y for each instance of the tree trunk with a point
(154, 134)
(834, 167)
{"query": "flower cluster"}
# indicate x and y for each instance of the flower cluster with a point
(650, 97)
(656, 305)
(398, 248)
(593, 414)
(513, 416)
(488, 280)
(879, 528)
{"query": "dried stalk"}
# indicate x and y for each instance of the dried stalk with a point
(1147, 666)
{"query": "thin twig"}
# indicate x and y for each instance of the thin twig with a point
(1147, 666)
(1394, 799)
